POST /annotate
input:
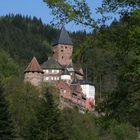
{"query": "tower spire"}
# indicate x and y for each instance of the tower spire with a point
(34, 66)
(63, 38)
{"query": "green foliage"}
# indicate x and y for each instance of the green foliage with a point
(86, 126)
(23, 100)
(7, 130)
(112, 61)
(51, 89)
(111, 55)
(48, 124)
(97, 62)
(25, 37)
(120, 5)
(123, 103)
(8, 67)
(123, 132)
(66, 11)
(80, 126)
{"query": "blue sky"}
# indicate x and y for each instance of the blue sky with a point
(39, 9)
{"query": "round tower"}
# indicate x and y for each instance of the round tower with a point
(34, 73)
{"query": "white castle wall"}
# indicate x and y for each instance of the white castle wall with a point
(65, 77)
(88, 90)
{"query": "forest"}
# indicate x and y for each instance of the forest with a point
(110, 57)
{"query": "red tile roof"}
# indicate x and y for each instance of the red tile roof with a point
(34, 66)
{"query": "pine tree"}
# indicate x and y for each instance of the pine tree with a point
(7, 131)
(49, 124)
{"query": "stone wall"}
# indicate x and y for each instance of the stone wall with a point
(34, 78)
(63, 53)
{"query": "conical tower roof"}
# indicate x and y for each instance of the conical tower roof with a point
(34, 66)
(63, 38)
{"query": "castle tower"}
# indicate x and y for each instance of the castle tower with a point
(63, 48)
(33, 73)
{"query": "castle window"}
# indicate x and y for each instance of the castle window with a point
(54, 71)
(46, 71)
(83, 98)
(62, 57)
(50, 71)
(74, 94)
(61, 90)
(66, 47)
(57, 71)
(47, 78)
(61, 50)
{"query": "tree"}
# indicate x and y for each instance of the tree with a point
(7, 130)
(123, 132)
(8, 67)
(122, 104)
(23, 37)
(120, 5)
(23, 100)
(77, 11)
(48, 124)
(81, 126)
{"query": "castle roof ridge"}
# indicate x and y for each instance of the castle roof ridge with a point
(51, 63)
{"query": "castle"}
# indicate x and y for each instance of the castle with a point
(60, 71)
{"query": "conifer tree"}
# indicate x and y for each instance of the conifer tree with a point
(48, 124)
(7, 131)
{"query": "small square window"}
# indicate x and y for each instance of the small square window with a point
(47, 78)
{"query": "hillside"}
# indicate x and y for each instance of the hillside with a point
(110, 59)
(23, 37)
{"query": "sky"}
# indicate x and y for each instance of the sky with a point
(39, 9)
